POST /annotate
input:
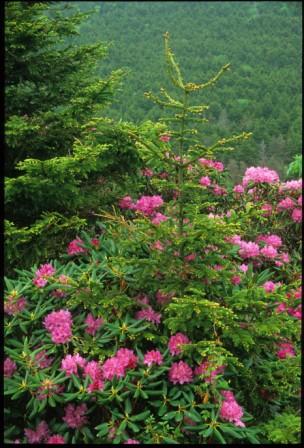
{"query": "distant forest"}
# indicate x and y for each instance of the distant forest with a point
(261, 93)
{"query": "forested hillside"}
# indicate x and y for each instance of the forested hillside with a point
(261, 40)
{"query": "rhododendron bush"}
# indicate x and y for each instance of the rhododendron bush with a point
(178, 321)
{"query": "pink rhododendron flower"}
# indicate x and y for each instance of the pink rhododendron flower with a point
(131, 442)
(14, 305)
(284, 257)
(147, 172)
(63, 279)
(231, 410)
(273, 240)
(219, 191)
(127, 358)
(94, 370)
(176, 341)
(163, 175)
(281, 308)
(300, 201)
(165, 138)
(238, 189)
(153, 357)
(157, 245)
(218, 267)
(291, 185)
(218, 166)
(95, 242)
(190, 257)
(74, 415)
(211, 164)
(296, 215)
(9, 367)
(163, 298)
(93, 325)
(258, 175)
(209, 375)
(243, 267)
(70, 364)
(148, 314)
(248, 249)
(148, 204)
(41, 433)
(113, 367)
(267, 209)
(158, 218)
(59, 324)
(269, 252)
(180, 373)
(205, 181)
(142, 299)
(42, 360)
(235, 239)
(236, 280)
(296, 312)
(56, 439)
(285, 350)
(269, 286)
(126, 202)
(75, 247)
(45, 270)
(39, 282)
(286, 204)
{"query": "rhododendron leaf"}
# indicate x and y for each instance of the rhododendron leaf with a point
(141, 416)
(103, 429)
(195, 416)
(219, 436)
(228, 429)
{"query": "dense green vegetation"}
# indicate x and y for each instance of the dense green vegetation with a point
(261, 40)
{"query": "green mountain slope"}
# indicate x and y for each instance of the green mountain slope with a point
(261, 40)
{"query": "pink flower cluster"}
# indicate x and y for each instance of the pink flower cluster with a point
(39, 435)
(14, 305)
(131, 442)
(270, 286)
(93, 325)
(162, 298)
(248, 249)
(56, 439)
(94, 370)
(71, 363)
(9, 367)
(59, 324)
(42, 360)
(205, 369)
(147, 172)
(176, 341)
(118, 364)
(231, 410)
(165, 138)
(291, 185)
(285, 350)
(218, 166)
(75, 247)
(42, 274)
(180, 373)
(153, 357)
(149, 314)
(75, 415)
(239, 189)
(273, 240)
(158, 218)
(257, 175)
